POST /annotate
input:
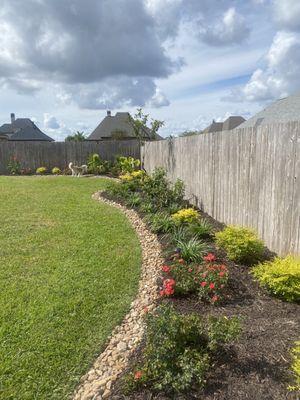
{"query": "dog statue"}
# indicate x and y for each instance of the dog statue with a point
(78, 171)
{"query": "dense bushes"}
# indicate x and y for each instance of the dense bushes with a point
(296, 366)
(281, 277)
(180, 349)
(241, 244)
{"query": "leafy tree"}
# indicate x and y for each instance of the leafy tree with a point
(77, 137)
(140, 123)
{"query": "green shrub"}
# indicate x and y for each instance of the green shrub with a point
(192, 250)
(56, 171)
(179, 350)
(96, 165)
(241, 244)
(14, 166)
(127, 164)
(202, 229)
(41, 170)
(160, 222)
(185, 216)
(133, 200)
(296, 366)
(281, 277)
(160, 192)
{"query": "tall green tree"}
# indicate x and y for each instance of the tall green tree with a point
(77, 137)
(140, 122)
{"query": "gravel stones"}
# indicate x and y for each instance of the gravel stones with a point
(97, 383)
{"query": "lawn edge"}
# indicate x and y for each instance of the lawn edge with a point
(97, 382)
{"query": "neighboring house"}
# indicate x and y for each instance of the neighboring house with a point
(23, 129)
(118, 127)
(282, 110)
(229, 124)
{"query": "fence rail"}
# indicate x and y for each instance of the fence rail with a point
(59, 154)
(247, 177)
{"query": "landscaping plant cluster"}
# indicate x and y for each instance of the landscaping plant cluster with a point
(178, 352)
(96, 166)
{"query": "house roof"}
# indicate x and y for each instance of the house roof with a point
(23, 129)
(230, 123)
(117, 123)
(282, 110)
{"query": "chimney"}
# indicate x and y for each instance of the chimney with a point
(12, 118)
(108, 113)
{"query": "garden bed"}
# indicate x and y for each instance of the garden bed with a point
(257, 365)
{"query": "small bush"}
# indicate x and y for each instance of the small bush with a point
(41, 170)
(133, 200)
(202, 229)
(56, 171)
(160, 222)
(14, 166)
(186, 215)
(296, 366)
(127, 164)
(241, 244)
(281, 277)
(160, 192)
(96, 165)
(179, 349)
(192, 250)
(214, 279)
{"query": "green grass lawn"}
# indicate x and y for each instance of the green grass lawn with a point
(69, 269)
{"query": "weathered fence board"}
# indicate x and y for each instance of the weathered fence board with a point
(59, 154)
(247, 177)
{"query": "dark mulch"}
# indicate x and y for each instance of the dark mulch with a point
(257, 365)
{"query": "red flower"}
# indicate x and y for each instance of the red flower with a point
(222, 273)
(169, 291)
(166, 268)
(203, 284)
(215, 298)
(169, 283)
(210, 257)
(146, 309)
(162, 292)
(190, 269)
(138, 375)
(211, 285)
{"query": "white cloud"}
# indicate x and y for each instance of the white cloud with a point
(50, 122)
(231, 29)
(287, 13)
(158, 100)
(280, 76)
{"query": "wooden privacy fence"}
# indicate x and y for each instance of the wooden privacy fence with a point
(59, 154)
(246, 177)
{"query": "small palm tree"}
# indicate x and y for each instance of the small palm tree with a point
(77, 137)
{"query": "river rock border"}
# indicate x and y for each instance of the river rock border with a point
(97, 383)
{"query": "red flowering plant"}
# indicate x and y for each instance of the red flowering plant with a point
(213, 280)
(184, 278)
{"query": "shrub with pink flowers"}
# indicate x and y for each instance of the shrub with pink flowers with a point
(208, 279)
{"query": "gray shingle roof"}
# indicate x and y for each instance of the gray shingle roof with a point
(282, 110)
(116, 124)
(24, 129)
(230, 123)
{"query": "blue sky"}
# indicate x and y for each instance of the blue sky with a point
(186, 62)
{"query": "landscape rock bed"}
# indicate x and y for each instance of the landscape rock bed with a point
(125, 338)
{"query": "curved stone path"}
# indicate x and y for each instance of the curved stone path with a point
(97, 383)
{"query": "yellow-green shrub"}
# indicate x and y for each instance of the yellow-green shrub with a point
(241, 244)
(41, 170)
(56, 171)
(186, 215)
(296, 366)
(281, 277)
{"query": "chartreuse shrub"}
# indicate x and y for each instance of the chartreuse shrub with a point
(241, 244)
(281, 277)
(296, 366)
(179, 350)
(41, 170)
(127, 164)
(186, 215)
(96, 165)
(56, 171)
